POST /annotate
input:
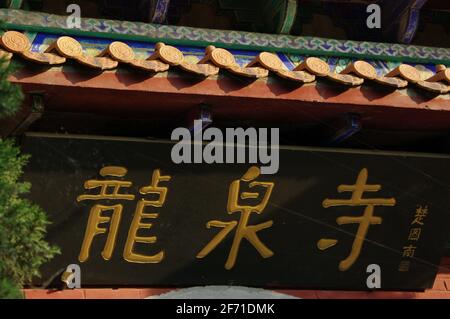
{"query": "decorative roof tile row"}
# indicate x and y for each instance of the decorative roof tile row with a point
(165, 57)
(34, 21)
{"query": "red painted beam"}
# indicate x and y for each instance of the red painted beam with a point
(271, 100)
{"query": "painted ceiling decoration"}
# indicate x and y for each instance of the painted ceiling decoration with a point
(215, 59)
(154, 11)
(176, 35)
(400, 17)
(159, 13)
(273, 16)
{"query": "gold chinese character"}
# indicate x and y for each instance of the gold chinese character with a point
(408, 251)
(114, 171)
(414, 234)
(242, 228)
(404, 265)
(136, 224)
(95, 216)
(364, 221)
(421, 213)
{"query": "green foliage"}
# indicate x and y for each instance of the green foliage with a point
(8, 290)
(11, 95)
(22, 229)
(22, 224)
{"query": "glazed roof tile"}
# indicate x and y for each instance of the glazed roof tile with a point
(165, 57)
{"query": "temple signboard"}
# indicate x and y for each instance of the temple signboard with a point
(129, 216)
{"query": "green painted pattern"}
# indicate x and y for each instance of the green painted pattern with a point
(180, 35)
(15, 4)
(288, 17)
(31, 36)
